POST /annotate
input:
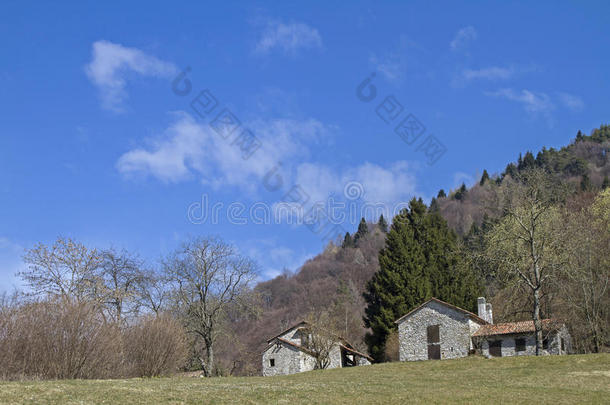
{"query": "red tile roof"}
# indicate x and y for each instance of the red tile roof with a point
(516, 327)
(472, 316)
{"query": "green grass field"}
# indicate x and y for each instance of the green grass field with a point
(553, 379)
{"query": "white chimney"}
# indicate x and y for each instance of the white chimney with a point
(490, 316)
(482, 311)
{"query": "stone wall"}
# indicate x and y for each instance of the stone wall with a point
(288, 360)
(508, 344)
(454, 330)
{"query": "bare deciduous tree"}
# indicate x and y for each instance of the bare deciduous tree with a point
(525, 245)
(121, 274)
(67, 270)
(320, 338)
(208, 276)
(585, 282)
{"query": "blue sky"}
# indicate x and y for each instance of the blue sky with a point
(97, 143)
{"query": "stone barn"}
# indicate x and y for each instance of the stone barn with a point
(287, 353)
(438, 330)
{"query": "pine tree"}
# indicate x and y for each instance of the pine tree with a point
(579, 136)
(382, 224)
(441, 194)
(461, 193)
(347, 241)
(484, 177)
(434, 205)
(418, 262)
(605, 183)
(362, 231)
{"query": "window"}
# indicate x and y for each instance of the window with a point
(271, 362)
(520, 345)
(545, 344)
(563, 345)
(495, 348)
(433, 334)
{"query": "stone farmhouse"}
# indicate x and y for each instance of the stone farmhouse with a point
(287, 353)
(438, 330)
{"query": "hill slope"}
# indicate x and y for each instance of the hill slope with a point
(551, 379)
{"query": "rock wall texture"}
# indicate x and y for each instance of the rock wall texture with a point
(455, 328)
(509, 346)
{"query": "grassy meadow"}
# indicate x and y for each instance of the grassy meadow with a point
(552, 379)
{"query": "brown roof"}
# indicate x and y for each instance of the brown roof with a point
(366, 356)
(516, 327)
(473, 316)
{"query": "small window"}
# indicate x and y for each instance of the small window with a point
(271, 362)
(520, 345)
(495, 348)
(545, 344)
(433, 334)
(563, 345)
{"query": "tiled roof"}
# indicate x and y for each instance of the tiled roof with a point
(473, 316)
(515, 327)
(357, 353)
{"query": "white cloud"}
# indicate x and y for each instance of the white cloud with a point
(463, 37)
(110, 64)
(490, 73)
(188, 148)
(571, 101)
(394, 64)
(534, 103)
(538, 103)
(289, 38)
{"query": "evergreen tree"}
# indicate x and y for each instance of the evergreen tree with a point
(434, 205)
(461, 193)
(579, 136)
(347, 241)
(362, 231)
(529, 162)
(382, 224)
(511, 169)
(418, 262)
(441, 194)
(484, 177)
(605, 183)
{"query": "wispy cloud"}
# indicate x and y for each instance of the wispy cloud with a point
(462, 38)
(393, 65)
(288, 38)
(110, 65)
(489, 73)
(534, 103)
(539, 103)
(571, 102)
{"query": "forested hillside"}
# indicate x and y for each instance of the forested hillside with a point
(336, 279)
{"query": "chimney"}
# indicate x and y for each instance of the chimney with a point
(490, 316)
(481, 307)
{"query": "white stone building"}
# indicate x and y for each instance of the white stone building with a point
(287, 353)
(438, 330)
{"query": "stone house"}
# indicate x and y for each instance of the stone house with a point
(438, 330)
(517, 339)
(287, 353)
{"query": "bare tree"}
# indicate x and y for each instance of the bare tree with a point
(525, 245)
(121, 273)
(67, 270)
(153, 291)
(585, 282)
(319, 338)
(209, 276)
